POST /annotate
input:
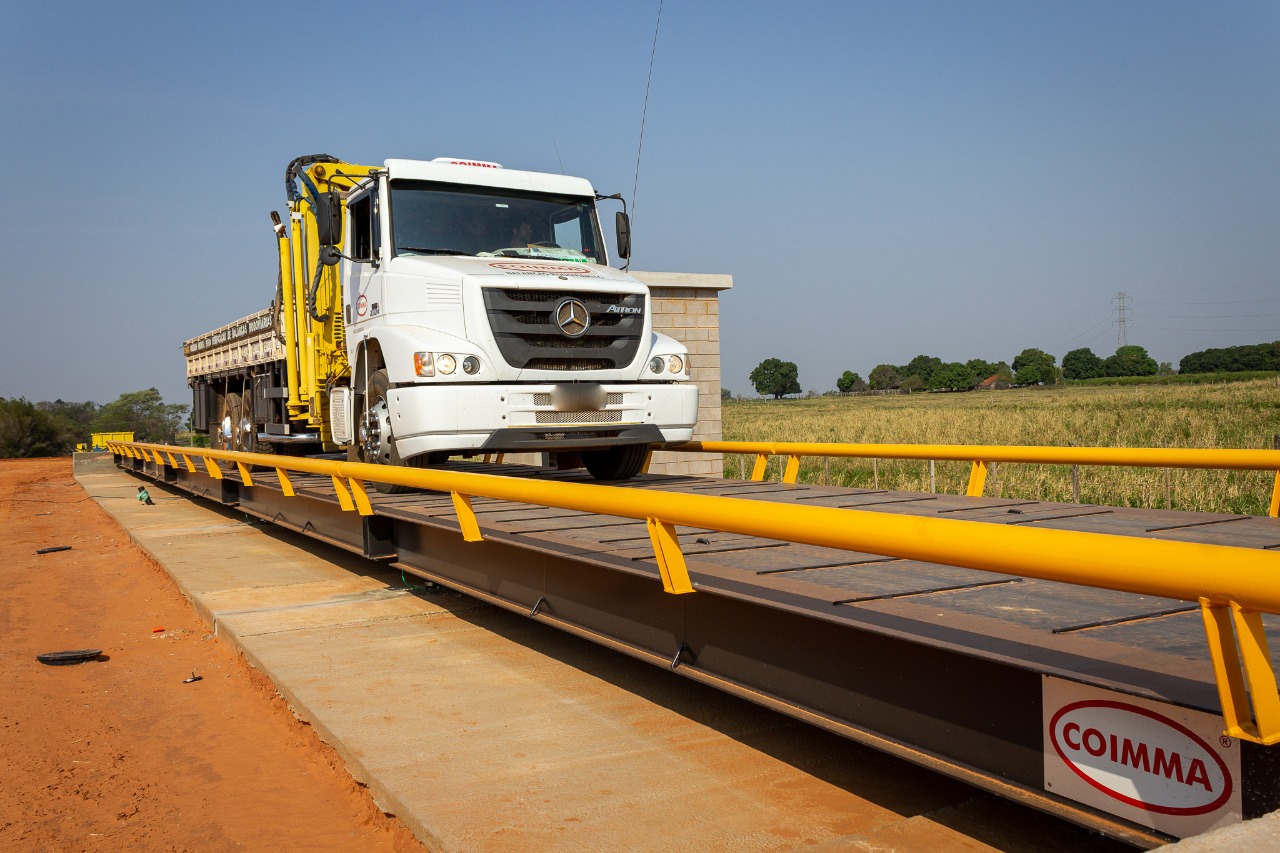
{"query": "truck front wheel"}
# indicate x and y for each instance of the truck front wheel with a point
(377, 443)
(616, 463)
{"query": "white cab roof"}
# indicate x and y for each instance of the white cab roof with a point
(488, 176)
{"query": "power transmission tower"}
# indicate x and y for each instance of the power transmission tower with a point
(1121, 301)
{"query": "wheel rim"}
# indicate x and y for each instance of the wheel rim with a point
(246, 435)
(375, 432)
(225, 440)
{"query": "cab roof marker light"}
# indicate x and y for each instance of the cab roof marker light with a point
(454, 161)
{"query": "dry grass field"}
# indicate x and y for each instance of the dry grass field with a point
(1235, 415)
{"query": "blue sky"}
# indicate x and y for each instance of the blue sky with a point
(882, 179)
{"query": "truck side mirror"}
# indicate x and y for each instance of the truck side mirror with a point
(624, 235)
(328, 211)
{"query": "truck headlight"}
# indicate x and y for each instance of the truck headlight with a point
(675, 364)
(657, 364)
(446, 364)
(471, 365)
(424, 364)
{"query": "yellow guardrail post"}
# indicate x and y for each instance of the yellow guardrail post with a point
(212, 467)
(361, 496)
(671, 564)
(286, 485)
(1275, 498)
(1243, 670)
(191, 466)
(244, 473)
(793, 468)
(1226, 668)
(466, 517)
(344, 497)
(757, 473)
(977, 479)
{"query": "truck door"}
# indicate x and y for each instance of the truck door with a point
(362, 294)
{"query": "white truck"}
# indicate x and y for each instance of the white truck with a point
(432, 308)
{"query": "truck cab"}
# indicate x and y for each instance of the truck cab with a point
(482, 316)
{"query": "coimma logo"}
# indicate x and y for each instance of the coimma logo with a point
(552, 269)
(1140, 757)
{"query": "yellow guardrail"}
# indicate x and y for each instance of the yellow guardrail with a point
(1233, 586)
(981, 456)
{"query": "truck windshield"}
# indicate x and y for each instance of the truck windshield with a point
(431, 218)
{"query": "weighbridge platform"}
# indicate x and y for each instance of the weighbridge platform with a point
(1095, 705)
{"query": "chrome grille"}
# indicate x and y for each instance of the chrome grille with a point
(527, 336)
(605, 417)
(613, 398)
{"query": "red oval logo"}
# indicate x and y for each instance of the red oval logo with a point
(1140, 758)
(553, 269)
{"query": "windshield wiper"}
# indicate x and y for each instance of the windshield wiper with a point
(423, 250)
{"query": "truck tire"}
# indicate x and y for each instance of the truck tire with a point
(247, 430)
(616, 463)
(229, 425)
(377, 442)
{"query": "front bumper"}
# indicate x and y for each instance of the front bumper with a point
(520, 418)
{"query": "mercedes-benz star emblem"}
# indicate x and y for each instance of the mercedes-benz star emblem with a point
(572, 317)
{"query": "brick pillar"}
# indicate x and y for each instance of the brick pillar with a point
(686, 306)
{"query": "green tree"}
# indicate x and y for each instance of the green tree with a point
(850, 381)
(952, 376)
(982, 370)
(25, 431)
(911, 384)
(776, 377)
(1230, 359)
(1046, 369)
(143, 413)
(1029, 375)
(725, 394)
(1082, 364)
(884, 377)
(73, 419)
(1131, 360)
(922, 366)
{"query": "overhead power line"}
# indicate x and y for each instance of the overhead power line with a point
(1219, 302)
(1212, 316)
(1250, 331)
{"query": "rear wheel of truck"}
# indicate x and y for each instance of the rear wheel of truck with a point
(377, 443)
(228, 428)
(616, 463)
(225, 436)
(246, 430)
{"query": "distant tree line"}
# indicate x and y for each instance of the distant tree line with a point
(930, 373)
(52, 429)
(776, 378)
(1233, 359)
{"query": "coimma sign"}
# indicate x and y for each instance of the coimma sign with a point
(1140, 757)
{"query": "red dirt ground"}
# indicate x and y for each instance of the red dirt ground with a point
(120, 754)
